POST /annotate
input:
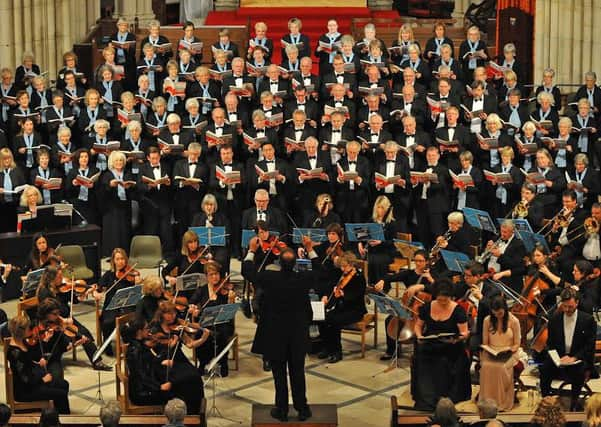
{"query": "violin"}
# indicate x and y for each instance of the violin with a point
(181, 302)
(127, 273)
(335, 249)
(342, 283)
(273, 244)
(79, 286)
(14, 267)
(71, 331)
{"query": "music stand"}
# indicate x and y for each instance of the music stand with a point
(125, 298)
(32, 280)
(190, 282)
(49, 217)
(210, 318)
(303, 265)
(315, 234)
(392, 307)
(532, 239)
(455, 261)
(97, 356)
(479, 219)
(362, 232)
(520, 224)
(249, 234)
(210, 236)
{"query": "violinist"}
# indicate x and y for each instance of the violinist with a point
(188, 261)
(146, 370)
(327, 252)
(323, 214)
(416, 280)
(441, 366)
(31, 381)
(586, 283)
(152, 289)
(120, 276)
(345, 305)
(572, 335)
(270, 245)
(379, 253)
(186, 380)
(48, 289)
(216, 292)
(47, 340)
(40, 251)
(500, 332)
(211, 216)
(592, 247)
(566, 233)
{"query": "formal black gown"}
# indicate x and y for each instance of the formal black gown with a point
(440, 369)
(145, 375)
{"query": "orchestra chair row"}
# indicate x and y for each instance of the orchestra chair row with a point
(75, 258)
(145, 252)
(365, 325)
(31, 303)
(15, 405)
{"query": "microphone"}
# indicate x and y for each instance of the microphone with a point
(84, 221)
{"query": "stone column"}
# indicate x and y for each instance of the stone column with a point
(130, 9)
(459, 12)
(7, 51)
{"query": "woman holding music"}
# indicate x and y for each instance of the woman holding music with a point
(344, 305)
(500, 344)
(440, 363)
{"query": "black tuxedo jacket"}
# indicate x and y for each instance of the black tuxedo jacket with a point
(220, 190)
(364, 113)
(155, 197)
(381, 83)
(308, 190)
(421, 138)
(325, 133)
(303, 51)
(401, 197)
(422, 68)
(351, 121)
(276, 221)
(437, 195)
(284, 189)
(212, 153)
(311, 109)
(513, 259)
(463, 135)
(265, 86)
(311, 79)
(490, 106)
(187, 195)
(417, 109)
(329, 78)
(583, 343)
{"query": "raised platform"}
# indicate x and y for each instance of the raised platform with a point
(323, 416)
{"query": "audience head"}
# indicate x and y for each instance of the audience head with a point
(110, 414)
(49, 418)
(5, 414)
(549, 413)
(175, 411)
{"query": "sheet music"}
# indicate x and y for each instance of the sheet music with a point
(319, 312)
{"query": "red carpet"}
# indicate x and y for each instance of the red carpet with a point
(314, 20)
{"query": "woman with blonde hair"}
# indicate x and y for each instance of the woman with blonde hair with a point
(189, 260)
(549, 413)
(592, 411)
(400, 46)
(260, 41)
(152, 289)
(31, 197)
(10, 179)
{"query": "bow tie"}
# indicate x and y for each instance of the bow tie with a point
(408, 103)
(352, 162)
(156, 167)
(227, 164)
(175, 133)
(373, 111)
(340, 75)
(452, 127)
(218, 127)
(477, 99)
(299, 130)
(273, 83)
(269, 161)
(390, 161)
(410, 135)
(336, 131)
(192, 163)
(312, 157)
(443, 98)
(504, 240)
(267, 111)
(300, 103)
(375, 134)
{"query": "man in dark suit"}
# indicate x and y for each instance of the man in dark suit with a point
(190, 190)
(507, 257)
(173, 135)
(230, 195)
(155, 199)
(298, 129)
(274, 83)
(447, 99)
(339, 100)
(219, 128)
(372, 106)
(238, 79)
(333, 132)
(301, 101)
(478, 101)
(453, 131)
(373, 138)
(572, 335)
(374, 80)
(338, 75)
(352, 194)
(273, 217)
(305, 78)
(415, 142)
(408, 105)
(283, 328)
(281, 187)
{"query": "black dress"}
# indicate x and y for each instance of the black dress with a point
(28, 384)
(145, 375)
(440, 369)
(116, 213)
(108, 317)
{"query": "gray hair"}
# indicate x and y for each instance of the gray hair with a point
(487, 408)
(209, 198)
(175, 411)
(63, 130)
(455, 217)
(173, 118)
(445, 412)
(110, 414)
(134, 124)
(545, 96)
(101, 123)
(191, 102)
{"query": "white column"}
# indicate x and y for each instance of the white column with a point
(7, 51)
(130, 9)
(459, 11)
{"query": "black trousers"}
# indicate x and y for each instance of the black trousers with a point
(294, 366)
(89, 347)
(56, 390)
(573, 374)
(429, 225)
(330, 330)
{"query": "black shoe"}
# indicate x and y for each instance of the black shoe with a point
(386, 356)
(279, 414)
(335, 358)
(224, 370)
(305, 414)
(323, 354)
(266, 365)
(101, 366)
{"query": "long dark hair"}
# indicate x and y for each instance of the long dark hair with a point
(498, 303)
(35, 255)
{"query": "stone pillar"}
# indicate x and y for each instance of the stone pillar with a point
(459, 12)
(226, 4)
(7, 51)
(130, 9)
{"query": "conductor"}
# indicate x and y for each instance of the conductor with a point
(283, 329)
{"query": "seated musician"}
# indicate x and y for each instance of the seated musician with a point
(120, 276)
(440, 366)
(188, 261)
(572, 335)
(344, 306)
(461, 236)
(185, 379)
(543, 267)
(31, 381)
(412, 278)
(506, 257)
(592, 247)
(534, 207)
(216, 292)
(327, 252)
(211, 216)
(146, 370)
(152, 289)
(48, 341)
(323, 214)
(500, 332)
(40, 251)
(586, 283)
(48, 289)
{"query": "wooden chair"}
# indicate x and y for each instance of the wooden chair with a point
(401, 262)
(10, 395)
(121, 374)
(236, 346)
(363, 326)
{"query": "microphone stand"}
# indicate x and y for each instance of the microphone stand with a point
(84, 221)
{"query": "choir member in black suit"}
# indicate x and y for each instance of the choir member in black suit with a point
(572, 335)
(340, 100)
(297, 130)
(408, 104)
(190, 190)
(421, 68)
(345, 304)
(591, 92)
(11, 178)
(445, 72)
(173, 135)
(210, 216)
(82, 193)
(26, 71)
(236, 111)
(281, 187)
(373, 80)
(468, 195)
(155, 192)
(305, 77)
(218, 126)
(373, 138)
(152, 65)
(432, 199)
(229, 193)
(301, 41)
(508, 194)
(432, 50)
(50, 194)
(338, 75)
(330, 38)
(332, 133)
(254, 152)
(415, 143)
(373, 105)
(549, 87)
(25, 155)
(310, 186)
(554, 184)
(588, 178)
(453, 131)
(472, 52)
(262, 211)
(302, 101)
(144, 95)
(260, 40)
(226, 45)
(124, 43)
(546, 110)
(155, 40)
(275, 84)
(407, 77)
(352, 194)
(447, 99)
(238, 79)
(116, 189)
(506, 256)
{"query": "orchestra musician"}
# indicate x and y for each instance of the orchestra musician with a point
(440, 367)
(323, 214)
(500, 332)
(210, 216)
(344, 305)
(153, 295)
(535, 209)
(189, 260)
(40, 252)
(586, 283)
(591, 250)
(460, 236)
(572, 335)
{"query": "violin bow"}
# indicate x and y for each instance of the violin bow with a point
(195, 259)
(275, 242)
(119, 280)
(223, 282)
